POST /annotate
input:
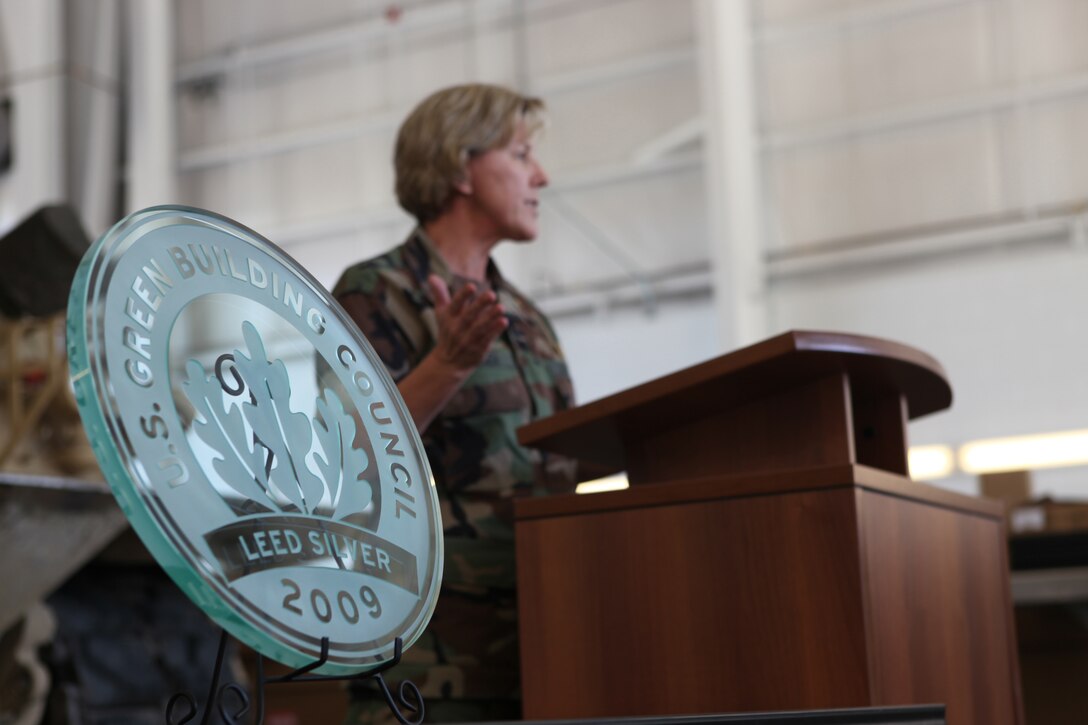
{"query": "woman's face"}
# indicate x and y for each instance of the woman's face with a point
(504, 185)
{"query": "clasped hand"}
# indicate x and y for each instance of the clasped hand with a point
(468, 322)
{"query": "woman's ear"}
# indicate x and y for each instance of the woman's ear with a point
(463, 183)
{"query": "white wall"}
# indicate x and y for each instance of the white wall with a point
(921, 166)
(640, 345)
(300, 149)
(924, 184)
(917, 174)
(33, 52)
(60, 65)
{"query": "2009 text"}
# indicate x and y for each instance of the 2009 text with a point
(322, 606)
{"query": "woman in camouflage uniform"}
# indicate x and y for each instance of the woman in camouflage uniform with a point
(474, 360)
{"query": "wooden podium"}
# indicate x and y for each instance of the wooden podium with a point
(771, 553)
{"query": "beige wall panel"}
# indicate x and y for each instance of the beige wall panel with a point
(207, 28)
(260, 102)
(197, 126)
(32, 36)
(1050, 38)
(659, 222)
(922, 176)
(490, 52)
(341, 87)
(375, 171)
(241, 192)
(578, 37)
(921, 59)
(606, 124)
(1058, 146)
(425, 65)
(656, 224)
(798, 11)
(322, 181)
(802, 83)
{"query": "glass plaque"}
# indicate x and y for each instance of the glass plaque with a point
(254, 440)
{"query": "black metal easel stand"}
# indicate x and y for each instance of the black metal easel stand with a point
(408, 694)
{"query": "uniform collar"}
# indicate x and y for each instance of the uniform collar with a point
(436, 264)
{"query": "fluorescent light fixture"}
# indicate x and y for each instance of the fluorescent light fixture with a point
(616, 482)
(928, 463)
(1024, 453)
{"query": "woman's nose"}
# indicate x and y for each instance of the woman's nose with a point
(540, 177)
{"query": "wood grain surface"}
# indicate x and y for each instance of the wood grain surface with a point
(784, 591)
(877, 370)
(939, 610)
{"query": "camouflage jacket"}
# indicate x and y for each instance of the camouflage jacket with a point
(472, 446)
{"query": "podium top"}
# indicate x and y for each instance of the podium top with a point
(874, 366)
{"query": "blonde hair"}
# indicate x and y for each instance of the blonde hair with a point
(444, 130)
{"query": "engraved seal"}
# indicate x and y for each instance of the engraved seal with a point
(254, 439)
